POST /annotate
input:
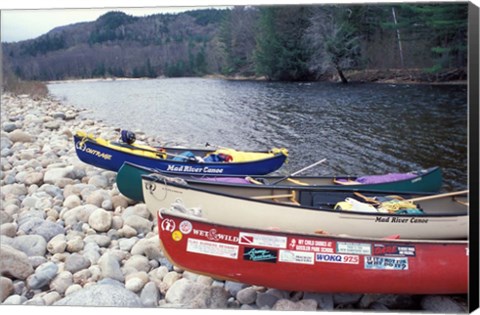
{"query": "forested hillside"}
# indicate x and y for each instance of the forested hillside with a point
(275, 42)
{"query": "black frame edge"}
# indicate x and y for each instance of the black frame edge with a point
(473, 100)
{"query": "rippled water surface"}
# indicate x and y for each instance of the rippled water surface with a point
(358, 128)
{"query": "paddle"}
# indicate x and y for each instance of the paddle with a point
(451, 194)
(298, 172)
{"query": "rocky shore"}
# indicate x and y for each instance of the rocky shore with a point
(68, 237)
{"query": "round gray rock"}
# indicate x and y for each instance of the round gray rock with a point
(100, 220)
(76, 262)
(247, 295)
(42, 276)
(102, 295)
(32, 245)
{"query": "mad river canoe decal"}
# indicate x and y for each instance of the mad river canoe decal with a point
(194, 169)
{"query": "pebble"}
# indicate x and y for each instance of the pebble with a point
(138, 262)
(32, 245)
(36, 261)
(265, 300)
(68, 237)
(119, 201)
(247, 295)
(126, 244)
(18, 135)
(149, 247)
(14, 300)
(140, 224)
(100, 240)
(110, 267)
(75, 244)
(97, 197)
(14, 263)
(100, 220)
(54, 175)
(183, 291)
(9, 127)
(99, 181)
(81, 277)
(76, 262)
(127, 231)
(57, 244)
(136, 281)
(234, 287)
(61, 282)
(6, 288)
(73, 288)
(72, 201)
(51, 297)
(139, 210)
(42, 276)
(150, 295)
(47, 230)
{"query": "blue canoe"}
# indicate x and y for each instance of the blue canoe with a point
(111, 156)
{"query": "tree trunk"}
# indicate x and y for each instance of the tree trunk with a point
(340, 74)
(398, 38)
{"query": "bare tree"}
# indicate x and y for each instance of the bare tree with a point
(333, 39)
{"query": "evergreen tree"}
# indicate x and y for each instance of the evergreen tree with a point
(268, 49)
(443, 25)
(237, 35)
(281, 54)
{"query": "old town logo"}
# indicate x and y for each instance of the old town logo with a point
(168, 225)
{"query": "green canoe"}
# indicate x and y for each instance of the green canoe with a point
(129, 181)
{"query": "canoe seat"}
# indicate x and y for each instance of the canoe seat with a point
(253, 180)
(297, 182)
(346, 182)
(465, 203)
(291, 198)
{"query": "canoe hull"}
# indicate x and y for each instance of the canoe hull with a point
(129, 182)
(298, 262)
(108, 158)
(245, 212)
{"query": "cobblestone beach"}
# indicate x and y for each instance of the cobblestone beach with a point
(68, 237)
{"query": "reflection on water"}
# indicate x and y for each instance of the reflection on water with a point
(359, 128)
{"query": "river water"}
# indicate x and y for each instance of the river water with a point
(358, 128)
